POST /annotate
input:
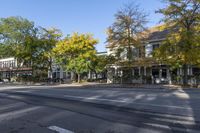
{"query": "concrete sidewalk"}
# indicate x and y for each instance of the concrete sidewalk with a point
(144, 86)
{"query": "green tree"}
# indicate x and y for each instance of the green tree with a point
(125, 36)
(182, 46)
(48, 40)
(30, 45)
(100, 62)
(125, 32)
(20, 35)
(75, 53)
(5, 51)
(14, 32)
(17, 33)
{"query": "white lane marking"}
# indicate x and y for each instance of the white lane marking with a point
(125, 101)
(93, 98)
(174, 128)
(182, 95)
(59, 129)
(185, 122)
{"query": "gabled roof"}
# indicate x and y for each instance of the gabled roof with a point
(155, 33)
(102, 53)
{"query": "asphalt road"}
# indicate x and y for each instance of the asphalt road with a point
(98, 110)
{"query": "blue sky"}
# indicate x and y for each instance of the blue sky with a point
(83, 16)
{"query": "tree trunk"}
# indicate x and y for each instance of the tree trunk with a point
(185, 77)
(96, 75)
(90, 75)
(79, 78)
(73, 76)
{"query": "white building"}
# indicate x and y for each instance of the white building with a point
(58, 73)
(145, 69)
(9, 67)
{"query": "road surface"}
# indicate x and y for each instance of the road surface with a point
(45, 109)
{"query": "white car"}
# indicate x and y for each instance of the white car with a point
(160, 80)
(5, 80)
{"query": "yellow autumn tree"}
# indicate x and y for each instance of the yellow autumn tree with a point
(182, 46)
(76, 52)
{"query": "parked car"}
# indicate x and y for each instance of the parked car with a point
(161, 80)
(5, 80)
(1, 81)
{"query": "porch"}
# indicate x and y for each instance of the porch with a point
(156, 74)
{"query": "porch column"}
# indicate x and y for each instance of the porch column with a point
(169, 76)
(190, 70)
(160, 73)
(114, 80)
(145, 71)
(109, 75)
(152, 79)
(181, 74)
(50, 75)
(145, 74)
(61, 73)
(133, 72)
(139, 68)
(90, 75)
(115, 71)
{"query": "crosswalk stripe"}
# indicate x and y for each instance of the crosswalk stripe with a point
(59, 129)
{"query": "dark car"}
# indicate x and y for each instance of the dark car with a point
(1, 81)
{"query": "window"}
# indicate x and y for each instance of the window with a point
(164, 73)
(135, 52)
(155, 46)
(148, 50)
(136, 72)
